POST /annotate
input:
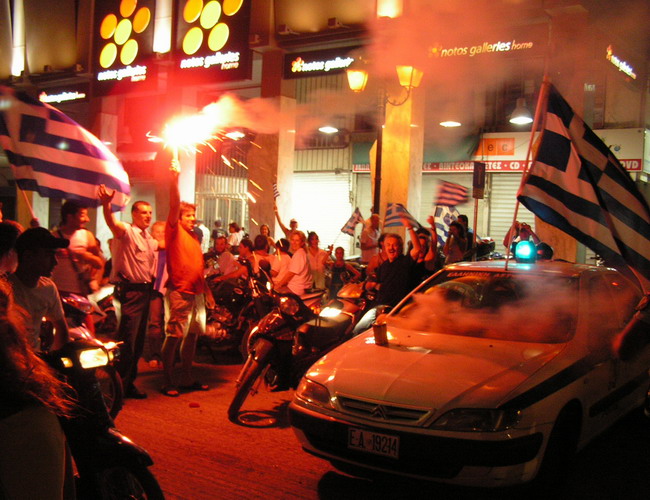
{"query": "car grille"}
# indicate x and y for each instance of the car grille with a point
(383, 412)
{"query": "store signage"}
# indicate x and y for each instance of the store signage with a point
(123, 45)
(485, 47)
(212, 41)
(619, 63)
(317, 63)
(62, 96)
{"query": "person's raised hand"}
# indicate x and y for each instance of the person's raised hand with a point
(104, 196)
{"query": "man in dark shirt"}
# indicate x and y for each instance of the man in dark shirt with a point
(393, 276)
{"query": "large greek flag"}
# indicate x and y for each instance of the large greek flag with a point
(55, 156)
(451, 194)
(577, 185)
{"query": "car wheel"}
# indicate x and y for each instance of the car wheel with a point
(560, 449)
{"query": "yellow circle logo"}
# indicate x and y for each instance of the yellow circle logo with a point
(118, 33)
(210, 28)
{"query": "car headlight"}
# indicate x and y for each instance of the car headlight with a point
(93, 358)
(289, 306)
(313, 392)
(477, 420)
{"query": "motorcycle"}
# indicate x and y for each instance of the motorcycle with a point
(108, 465)
(237, 308)
(288, 340)
(75, 309)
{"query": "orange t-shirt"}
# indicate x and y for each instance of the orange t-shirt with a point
(184, 260)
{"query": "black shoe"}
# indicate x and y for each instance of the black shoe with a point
(134, 393)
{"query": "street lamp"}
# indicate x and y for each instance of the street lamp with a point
(409, 78)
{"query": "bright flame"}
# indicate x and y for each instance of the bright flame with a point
(255, 184)
(251, 197)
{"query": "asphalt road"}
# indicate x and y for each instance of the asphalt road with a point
(199, 454)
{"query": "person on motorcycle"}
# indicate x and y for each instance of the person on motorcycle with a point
(298, 278)
(33, 462)
(33, 289)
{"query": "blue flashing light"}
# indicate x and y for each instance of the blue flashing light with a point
(525, 251)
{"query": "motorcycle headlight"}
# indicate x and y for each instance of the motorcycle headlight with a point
(289, 306)
(477, 420)
(313, 392)
(329, 312)
(93, 358)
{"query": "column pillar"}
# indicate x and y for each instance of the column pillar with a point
(402, 153)
(272, 162)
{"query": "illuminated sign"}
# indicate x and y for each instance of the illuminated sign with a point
(123, 44)
(318, 62)
(493, 47)
(621, 65)
(62, 97)
(212, 41)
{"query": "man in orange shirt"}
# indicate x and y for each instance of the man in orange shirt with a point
(186, 289)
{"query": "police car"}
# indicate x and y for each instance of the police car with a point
(492, 374)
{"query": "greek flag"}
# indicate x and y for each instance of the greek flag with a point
(443, 216)
(394, 214)
(577, 185)
(352, 222)
(450, 194)
(55, 156)
(276, 191)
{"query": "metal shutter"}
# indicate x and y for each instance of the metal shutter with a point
(321, 203)
(503, 196)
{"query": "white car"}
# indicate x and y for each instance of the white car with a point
(492, 374)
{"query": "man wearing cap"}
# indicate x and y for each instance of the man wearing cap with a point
(34, 291)
(134, 265)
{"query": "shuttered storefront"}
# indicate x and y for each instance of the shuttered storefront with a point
(503, 196)
(321, 203)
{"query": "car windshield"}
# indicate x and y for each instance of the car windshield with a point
(494, 305)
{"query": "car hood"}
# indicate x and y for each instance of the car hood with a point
(432, 370)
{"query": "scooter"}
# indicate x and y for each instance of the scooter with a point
(108, 465)
(288, 340)
(76, 308)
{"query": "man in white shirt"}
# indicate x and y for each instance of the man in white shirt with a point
(34, 291)
(133, 272)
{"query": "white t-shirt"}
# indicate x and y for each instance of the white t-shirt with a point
(302, 278)
(64, 274)
(38, 302)
(369, 236)
(280, 263)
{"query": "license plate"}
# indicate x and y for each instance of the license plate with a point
(373, 442)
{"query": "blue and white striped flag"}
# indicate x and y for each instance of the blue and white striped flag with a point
(443, 217)
(578, 185)
(394, 214)
(451, 194)
(276, 191)
(55, 156)
(355, 218)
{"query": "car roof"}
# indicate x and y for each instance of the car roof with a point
(555, 268)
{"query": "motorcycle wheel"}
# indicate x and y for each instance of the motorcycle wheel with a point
(251, 371)
(246, 344)
(110, 384)
(135, 481)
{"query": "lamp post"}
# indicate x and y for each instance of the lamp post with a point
(409, 78)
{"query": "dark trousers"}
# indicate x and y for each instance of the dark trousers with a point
(156, 328)
(134, 300)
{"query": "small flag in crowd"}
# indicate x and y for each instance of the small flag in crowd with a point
(394, 214)
(450, 194)
(55, 156)
(578, 185)
(355, 218)
(443, 217)
(276, 191)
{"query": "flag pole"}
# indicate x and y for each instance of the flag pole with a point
(543, 96)
(29, 205)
